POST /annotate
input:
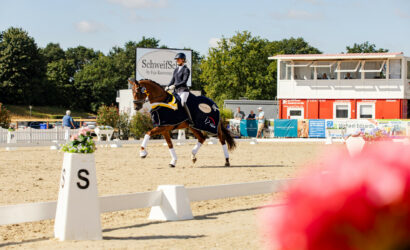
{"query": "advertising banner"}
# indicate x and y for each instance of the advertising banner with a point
(286, 128)
(159, 64)
(317, 128)
(249, 128)
(303, 128)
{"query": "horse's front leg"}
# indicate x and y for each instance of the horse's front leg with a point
(201, 139)
(174, 157)
(154, 131)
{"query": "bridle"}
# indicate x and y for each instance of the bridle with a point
(141, 90)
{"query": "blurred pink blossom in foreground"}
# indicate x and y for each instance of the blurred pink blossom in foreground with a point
(359, 203)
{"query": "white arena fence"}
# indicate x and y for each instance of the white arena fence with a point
(30, 135)
(30, 212)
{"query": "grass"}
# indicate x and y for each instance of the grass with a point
(50, 112)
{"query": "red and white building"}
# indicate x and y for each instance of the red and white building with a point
(353, 86)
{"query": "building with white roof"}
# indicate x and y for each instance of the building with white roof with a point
(353, 86)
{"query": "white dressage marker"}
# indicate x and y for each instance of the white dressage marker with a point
(175, 204)
(355, 145)
(78, 206)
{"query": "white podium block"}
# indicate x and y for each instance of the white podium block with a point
(175, 204)
(254, 141)
(78, 207)
(355, 145)
(211, 141)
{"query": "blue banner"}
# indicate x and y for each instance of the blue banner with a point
(249, 128)
(286, 128)
(317, 128)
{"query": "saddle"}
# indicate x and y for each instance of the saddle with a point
(204, 112)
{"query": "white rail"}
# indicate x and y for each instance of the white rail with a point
(31, 212)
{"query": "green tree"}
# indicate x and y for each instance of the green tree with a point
(365, 47)
(60, 77)
(22, 69)
(97, 84)
(5, 118)
(52, 52)
(82, 56)
(239, 66)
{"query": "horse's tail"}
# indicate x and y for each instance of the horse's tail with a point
(227, 136)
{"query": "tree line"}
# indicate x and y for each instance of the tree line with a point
(84, 78)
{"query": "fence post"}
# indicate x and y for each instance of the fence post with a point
(175, 204)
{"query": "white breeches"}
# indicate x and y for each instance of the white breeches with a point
(184, 96)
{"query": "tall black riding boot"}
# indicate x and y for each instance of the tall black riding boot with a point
(189, 115)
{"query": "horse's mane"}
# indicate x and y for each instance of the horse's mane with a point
(159, 85)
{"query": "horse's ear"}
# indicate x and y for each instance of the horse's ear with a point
(132, 81)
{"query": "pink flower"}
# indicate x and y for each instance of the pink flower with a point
(74, 137)
(83, 131)
(360, 202)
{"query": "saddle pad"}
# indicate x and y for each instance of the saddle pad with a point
(164, 116)
(204, 112)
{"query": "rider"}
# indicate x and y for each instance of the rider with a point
(179, 82)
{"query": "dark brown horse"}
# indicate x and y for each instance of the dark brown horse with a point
(158, 96)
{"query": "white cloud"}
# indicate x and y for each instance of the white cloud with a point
(297, 15)
(89, 26)
(402, 14)
(140, 4)
(213, 42)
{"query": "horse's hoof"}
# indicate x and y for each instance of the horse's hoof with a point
(143, 154)
(171, 165)
(227, 164)
(193, 158)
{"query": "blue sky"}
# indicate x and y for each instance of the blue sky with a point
(329, 25)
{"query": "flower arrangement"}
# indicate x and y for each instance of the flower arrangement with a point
(375, 134)
(81, 143)
(361, 202)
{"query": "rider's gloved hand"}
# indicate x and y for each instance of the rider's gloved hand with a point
(170, 88)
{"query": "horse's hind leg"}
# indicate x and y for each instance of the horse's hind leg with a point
(201, 139)
(174, 157)
(224, 147)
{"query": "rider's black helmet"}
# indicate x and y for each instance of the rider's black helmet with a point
(180, 55)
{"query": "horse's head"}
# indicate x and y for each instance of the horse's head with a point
(139, 93)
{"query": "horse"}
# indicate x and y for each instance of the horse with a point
(158, 97)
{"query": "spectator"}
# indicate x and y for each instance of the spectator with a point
(261, 122)
(251, 116)
(239, 115)
(68, 121)
(348, 76)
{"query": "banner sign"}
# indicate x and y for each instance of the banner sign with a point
(249, 128)
(286, 127)
(159, 64)
(317, 128)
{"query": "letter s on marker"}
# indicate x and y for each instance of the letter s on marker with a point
(83, 178)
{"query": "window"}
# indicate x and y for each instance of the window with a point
(349, 70)
(374, 69)
(395, 69)
(295, 113)
(302, 71)
(408, 70)
(341, 110)
(285, 70)
(366, 111)
(325, 70)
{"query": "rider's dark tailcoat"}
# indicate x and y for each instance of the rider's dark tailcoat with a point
(180, 79)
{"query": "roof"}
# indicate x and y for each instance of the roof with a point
(337, 56)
